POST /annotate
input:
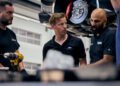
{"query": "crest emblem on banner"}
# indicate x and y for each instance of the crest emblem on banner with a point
(79, 11)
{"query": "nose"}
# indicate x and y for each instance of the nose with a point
(65, 25)
(11, 14)
(11, 17)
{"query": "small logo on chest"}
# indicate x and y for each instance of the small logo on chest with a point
(13, 39)
(99, 43)
(69, 48)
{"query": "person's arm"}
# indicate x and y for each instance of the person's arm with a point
(105, 60)
(20, 60)
(82, 62)
(82, 53)
(115, 4)
(21, 66)
(1, 65)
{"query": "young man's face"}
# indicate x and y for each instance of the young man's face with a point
(60, 26)
(6, 16)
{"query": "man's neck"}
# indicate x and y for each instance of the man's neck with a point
(3, 27)
(61, 39)
(101, 31)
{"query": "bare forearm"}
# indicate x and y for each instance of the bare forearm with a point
(100, 62)
(83, 62)
(106, 59)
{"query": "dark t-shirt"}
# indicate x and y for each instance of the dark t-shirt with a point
(72, 46)
(8, 43)
(102, 44)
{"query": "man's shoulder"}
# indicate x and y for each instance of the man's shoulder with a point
(74, 38)
(10, 31)
(110, 31)
(50, 42)
(109, 34)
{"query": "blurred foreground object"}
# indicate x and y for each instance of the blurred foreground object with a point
(7, 76)
(98, 73)
(56, 75)
(52, 76)
(57, 60)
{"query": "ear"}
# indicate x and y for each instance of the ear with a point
(53, 26)
(50, 26)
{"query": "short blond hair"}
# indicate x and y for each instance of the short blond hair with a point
(56, 16)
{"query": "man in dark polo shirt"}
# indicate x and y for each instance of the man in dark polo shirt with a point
(102, 49)
(64, 42)
(8, 41)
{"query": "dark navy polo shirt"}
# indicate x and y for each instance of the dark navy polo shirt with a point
(72, 46)
(102, 44)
